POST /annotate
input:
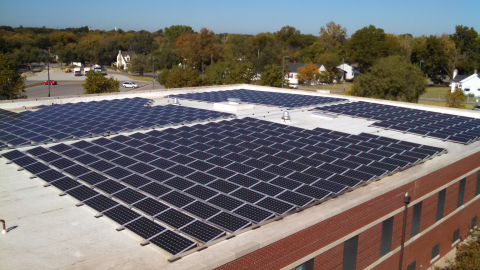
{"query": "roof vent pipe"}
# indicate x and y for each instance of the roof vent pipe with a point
(175, 101)
(286, 116)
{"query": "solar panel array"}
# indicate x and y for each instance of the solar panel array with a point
(282, 100)
(208, 179)
(77, 120)
(442, 126)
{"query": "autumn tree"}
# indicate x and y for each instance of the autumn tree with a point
(307, 73)
(437, 52)
(96, 83)
(12, 83)
(391, 78)
(332, 36)
(231, 72)
(174, 31)
(198, 47)
(456, 99)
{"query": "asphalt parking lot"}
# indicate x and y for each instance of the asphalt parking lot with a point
(68, 85)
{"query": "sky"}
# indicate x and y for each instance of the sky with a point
(419, 17)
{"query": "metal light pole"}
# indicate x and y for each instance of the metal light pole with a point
(153, 74)
(283, 68)
(421, 61)
(48, 70)
(406, 201)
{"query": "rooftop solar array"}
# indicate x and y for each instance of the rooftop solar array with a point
(282, 100)
(442, 126)
(77, 120)
(204, 181)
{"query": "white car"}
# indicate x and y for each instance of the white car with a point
(130, 85)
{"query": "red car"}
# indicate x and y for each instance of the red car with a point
(51, 82)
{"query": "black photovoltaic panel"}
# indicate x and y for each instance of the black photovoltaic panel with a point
(202, 231)
(156, 189)
(82, 193)
(260, 97)
(253, 213)
(295, 198)
(177, 199)
(110, 186)
(65, 183)
(274, 205)
(121, 214)
(174, 218)
(100, 203)
(92, 178)
(150, 206)
(201, 192)
(145, 227)
(229, 222)
(436, 125)
(36, 168)
(173, 242)
(129, 196)
(201, 210)
(225, 202)
(50, 175)
(62, 122)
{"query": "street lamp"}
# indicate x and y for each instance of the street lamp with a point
(406, 201)
(48, 70)
(153, 74)
(283, 68)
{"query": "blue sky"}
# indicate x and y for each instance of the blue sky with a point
(418, 17)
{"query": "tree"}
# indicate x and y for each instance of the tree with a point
(174, 31)
(198, 47)
(307, 73)
(272, 76)
(332, 35)
(456, 99)
(367, 45)
(138, 64)
(96, 83)
(11, 81)
(391, 78)
(180, 77)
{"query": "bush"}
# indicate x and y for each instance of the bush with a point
(96, 83)
(456, 99)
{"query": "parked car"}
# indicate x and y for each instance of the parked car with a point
(476, 108)
(294, 86)
(51, 82)
(130, 85)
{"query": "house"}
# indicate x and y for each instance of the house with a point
(292, 71)
(350, 72)
(470, 84)
(124, 58)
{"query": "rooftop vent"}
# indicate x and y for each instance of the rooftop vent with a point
(286, 116)
(175, 101)
(233, 100)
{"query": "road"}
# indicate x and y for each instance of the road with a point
(69, 85)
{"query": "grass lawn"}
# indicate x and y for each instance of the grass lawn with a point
(137, 78)
(332, 87)
(33, 84)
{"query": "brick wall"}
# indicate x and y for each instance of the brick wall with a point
(299, 245)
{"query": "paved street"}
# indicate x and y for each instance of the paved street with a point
(68, 85)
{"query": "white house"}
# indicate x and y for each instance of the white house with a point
(292, 71)
(350, 72)
(124, 58)
(470, 84)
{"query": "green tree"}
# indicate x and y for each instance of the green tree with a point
(174, 31)
(391, 78)
(180, 77)
(11, 81)
(163, 76)
(456, 99)
(367, 45)
(272, 76)
(96, 83)
(332, 36)
(138, 64)
(231, 72)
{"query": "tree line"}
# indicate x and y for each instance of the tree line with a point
(192, 58)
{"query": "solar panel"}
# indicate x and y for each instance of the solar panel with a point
(201, 210)
(100, 203)
(150, 206)
(229, 222)
(129, 196)
(121, 214)
(174, 218)
(145, 227)
(82, 193)
(173, 242)
(274, 205)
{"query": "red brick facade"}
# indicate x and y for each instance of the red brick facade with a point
(301, 244)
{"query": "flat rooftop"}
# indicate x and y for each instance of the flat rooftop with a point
(58, 234)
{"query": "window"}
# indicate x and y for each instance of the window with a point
(306, 266)
(412, 266)
(350, 253)
(456, 235)
(441, 204)
(477, 188)
(386, 242)
(461, 192)
(473, 224)
(467, 89)
(435, 251)
(416, 217)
